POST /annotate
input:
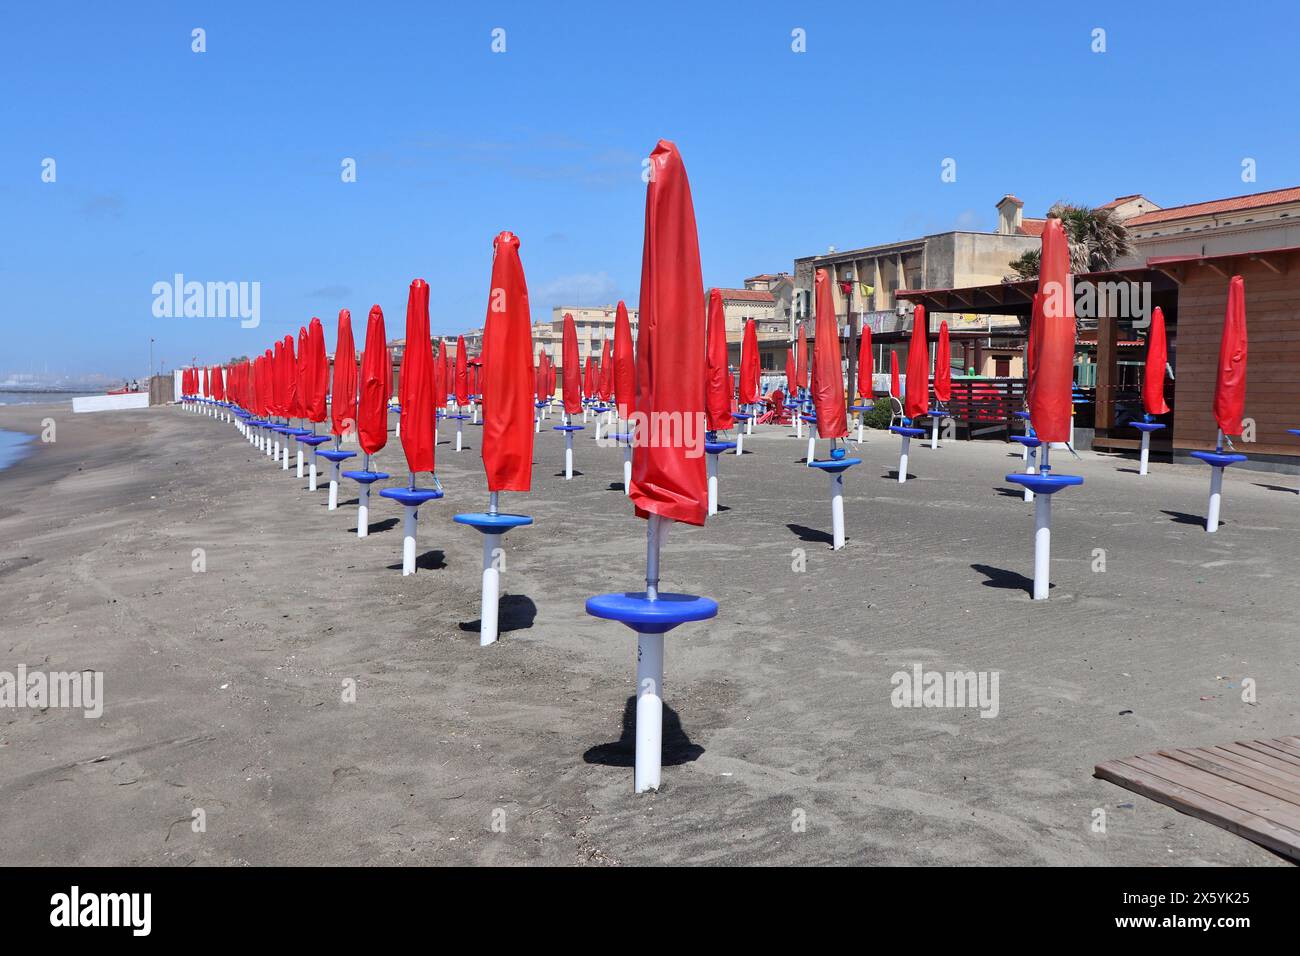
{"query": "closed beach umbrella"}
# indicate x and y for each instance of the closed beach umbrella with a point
(302, 388)
(1230, 379)
(624, 362)
(668, 478)
(894, 388)
(943, 365)
(343, 390)
(1153, 376)
(749, 364)
(1051, 400)
(416, 384)
(791, 373)
(866, 365)
(508, 374)
(717, 389)
(376, 386)
(801, 360)
(918, 367)
(827, 371)
(550, 376)
(440, 375)
(462, 372)
(607, 372)
(571, 368)
(219, 383)
(318, 371)
(279, 392)
(292, 406)
(589, 378)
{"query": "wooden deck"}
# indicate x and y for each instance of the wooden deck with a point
(1250, 788)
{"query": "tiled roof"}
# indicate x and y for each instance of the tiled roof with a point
(1032, 227)
(746, 295)
(1119, 201)
(1218, 206)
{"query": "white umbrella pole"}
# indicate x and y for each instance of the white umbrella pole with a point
(1216, 497)
(713, 484)
(934, 432)
(740, 441)
(363, 510)
(408, 539)
(902, 459)
(568, 455)
(491, 590)
(1030, 468)
(1146, 453)
(459, 422)
(334, 486)
(812, 444)
(650, 676)
(627, 468)
(1042, 545)
(837, 511)
(301, 462)
(859, 428)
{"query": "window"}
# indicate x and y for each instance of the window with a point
(1002, 366)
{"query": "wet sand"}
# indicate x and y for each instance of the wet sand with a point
(224, 689)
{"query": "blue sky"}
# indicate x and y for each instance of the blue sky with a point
(225, 165)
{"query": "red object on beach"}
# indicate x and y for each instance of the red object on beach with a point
(668, 477)
(894, 386)
(343, 390)
(1230, 381)
(1051, 397)
(943, 365)
(790, 371)
(866, 365)
(462, 373)
(717, 381)
(300, 373)
(571, 368)
(607, 372)
(589, 378)
(917, 402)
(827, 370)
(292, 407)
(317, 371)
(205, 383)
(218, 384)
(507, 365)
(801, 361)
(416, 384)
(749, 364)
(278, 391)
(440, 385)
(376, 386)
(1153, 375)
(624, 363)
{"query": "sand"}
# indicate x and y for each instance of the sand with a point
(224, 690)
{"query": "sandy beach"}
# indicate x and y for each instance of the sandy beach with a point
(224, 690)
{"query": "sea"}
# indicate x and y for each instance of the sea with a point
(15, 445)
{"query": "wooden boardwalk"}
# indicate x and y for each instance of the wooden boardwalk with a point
(1250, 788)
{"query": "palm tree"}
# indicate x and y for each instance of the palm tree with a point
(1096, 237)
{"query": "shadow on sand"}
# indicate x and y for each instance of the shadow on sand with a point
(678, 748)
(516, 613)
(1006, 580)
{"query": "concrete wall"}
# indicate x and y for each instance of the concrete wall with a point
(110, 403)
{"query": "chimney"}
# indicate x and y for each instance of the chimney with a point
(1009, 215)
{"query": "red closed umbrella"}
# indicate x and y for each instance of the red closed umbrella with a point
(866, 365)
(550, 376)
(827, 372)
(943, 365)
(301, 374)
(343, 390)
(539, 373)
(205, 384)
(791, 373)
(1050, 400)
(279, 392)
(717, 384)
(917, 401)
(1230, 379)
(289, 380)
(1153, 375)
(266, 385)
(317, 371)
(571, 368)
(507, 367)
(607, 372)
(589, 378)
(462, 372)
(749, 364)
(894, 388)
(440, 376)
(219, 383)
(376, 386)
(801, 360)
(668, 477)
(416, 384)
(624, 363)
